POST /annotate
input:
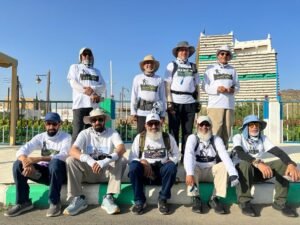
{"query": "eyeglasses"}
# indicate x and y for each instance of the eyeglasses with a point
(151, 123)
(224, 54)
(87, 52)
(254, 124)
(49, 123)
(204, 124)
(100, 120)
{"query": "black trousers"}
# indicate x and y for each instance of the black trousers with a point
(184, 116)
(78, 124)
(141, 123)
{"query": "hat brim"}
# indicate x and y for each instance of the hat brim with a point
(262, 123)
(191, 50)
(230, 53)
(87, 119)
(156, 65)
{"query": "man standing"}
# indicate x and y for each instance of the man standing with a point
(221, 83)
(88, 88)
(95, 156)
(249, 147)
(153, 160)
(206, 159)
(48, 169)
(147, 91)
(182, 89)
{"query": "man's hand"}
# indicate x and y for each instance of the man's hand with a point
(292, 172)
(28, 171)
(190, 180)
(96, 168)
(230, 90)
(147, 168)
(170, 107)
(222, 89)
(95, 98)
(88, 91)
(265, 170)
(29, 161)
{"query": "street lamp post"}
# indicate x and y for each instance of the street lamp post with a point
(38, 80)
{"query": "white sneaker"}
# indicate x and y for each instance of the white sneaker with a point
(109, 205)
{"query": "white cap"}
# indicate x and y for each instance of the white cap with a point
(201, 119)
(152, 117)
(224, 48)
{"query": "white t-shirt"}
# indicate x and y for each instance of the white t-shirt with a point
(205, 151)
(85, 76)
(148, 88)
(59, 145)
(93, 144)
(183, 80)
(154, 150)
(220, 75)
(255, 150)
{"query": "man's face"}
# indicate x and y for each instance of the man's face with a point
(153, 126)
(223, 57)
(98, 123)
(52, 127)
(148, 66)
(87, 56)
(204, 127)
(183, 53)
(254, 128)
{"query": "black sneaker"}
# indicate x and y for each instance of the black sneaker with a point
(197, 204)
(138, 209)
(285, 210)
(247, 209)
(18, 209)
(163, 207)
(217, 205)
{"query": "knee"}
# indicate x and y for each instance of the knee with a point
(17, 166)
(244, 165)
(56, 165)
(71, 161)
(170, 168)
(135, 167)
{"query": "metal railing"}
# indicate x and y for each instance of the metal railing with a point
(30, 123)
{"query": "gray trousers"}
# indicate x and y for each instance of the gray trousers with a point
(79, 172)
(78, 124)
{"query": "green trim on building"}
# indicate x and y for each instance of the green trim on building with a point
(264, 76)
(210, 57)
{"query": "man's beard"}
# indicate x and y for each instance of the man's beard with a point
(99, 129)
(204, 137)
(154, 136)
(52, 132)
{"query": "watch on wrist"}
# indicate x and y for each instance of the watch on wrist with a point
(256, 162)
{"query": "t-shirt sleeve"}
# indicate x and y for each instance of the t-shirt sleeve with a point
(267, 143)
(168, 73)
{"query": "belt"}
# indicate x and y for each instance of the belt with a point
(181, 92)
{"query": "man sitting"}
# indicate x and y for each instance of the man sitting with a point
(153, 160)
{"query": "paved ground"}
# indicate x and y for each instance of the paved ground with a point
(179, 215)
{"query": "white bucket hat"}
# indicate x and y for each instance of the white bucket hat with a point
(183, 44)
(149, 58)
(224, 48)
(95, 113)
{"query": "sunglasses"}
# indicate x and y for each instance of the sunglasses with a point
(224, 54)
(87, 52)
(204, 124)
(251, 125)
(100, 120)
(151, 123)
(49, 123)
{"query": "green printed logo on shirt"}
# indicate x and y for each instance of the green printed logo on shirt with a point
(223, 76)
(147, 87)
(89, 77)
(185, 72)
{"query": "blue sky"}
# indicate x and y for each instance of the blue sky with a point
(45, 35)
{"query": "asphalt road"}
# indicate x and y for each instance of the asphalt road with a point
(179, 215)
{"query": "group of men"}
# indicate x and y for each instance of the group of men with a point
(96, 153)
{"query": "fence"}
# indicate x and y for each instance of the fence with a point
(31, 114)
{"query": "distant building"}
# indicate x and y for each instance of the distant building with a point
(255, 62)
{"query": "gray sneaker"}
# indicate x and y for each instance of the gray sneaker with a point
(78, 204)
(54, 210)
(109, 205)
(18, 209)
